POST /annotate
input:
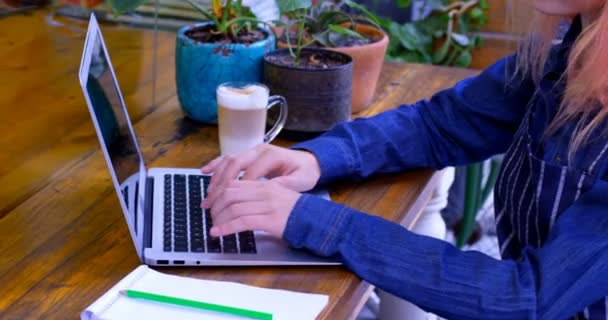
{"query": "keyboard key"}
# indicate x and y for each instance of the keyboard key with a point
(247, 242)
(230, 238)
(230, 244)
(181, 248)
(214, 244)
(198, 248)
(229, 241)
(167, 248)
(197, 244)
(230, 249)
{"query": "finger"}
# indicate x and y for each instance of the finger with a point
(289, 182)
(210, 188)
(235, 195)
(266, 164)
(293, 182)
(229, 169)
(210, 167)
(243, 223)
(233, 186)
(240, 209)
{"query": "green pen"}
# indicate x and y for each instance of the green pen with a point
(252, 314)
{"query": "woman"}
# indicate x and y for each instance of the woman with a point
(547, 112)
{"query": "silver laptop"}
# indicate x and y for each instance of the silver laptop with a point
(162, 205)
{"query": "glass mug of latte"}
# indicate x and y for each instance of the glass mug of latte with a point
(242, 114)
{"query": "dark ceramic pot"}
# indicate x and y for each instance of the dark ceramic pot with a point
(318, 99)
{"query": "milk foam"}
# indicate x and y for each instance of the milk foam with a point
(246, 98)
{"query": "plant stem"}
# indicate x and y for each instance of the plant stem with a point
(204, 12)
(300, 39)
(252, 20)
(226, 27)
(461, 6)
(291, 53)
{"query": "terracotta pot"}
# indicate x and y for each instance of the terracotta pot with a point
(368, 60)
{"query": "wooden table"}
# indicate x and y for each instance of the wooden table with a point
(63, 238)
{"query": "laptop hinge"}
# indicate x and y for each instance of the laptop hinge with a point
(148, 209)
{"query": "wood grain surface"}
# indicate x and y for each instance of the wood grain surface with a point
(63, 239)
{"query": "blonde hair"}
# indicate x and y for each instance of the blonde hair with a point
(585, 99)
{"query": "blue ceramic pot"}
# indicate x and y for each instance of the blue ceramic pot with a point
(201, 67)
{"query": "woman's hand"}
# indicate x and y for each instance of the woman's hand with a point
(251, 205)
(296, 170)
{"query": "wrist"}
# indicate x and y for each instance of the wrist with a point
(312, 163)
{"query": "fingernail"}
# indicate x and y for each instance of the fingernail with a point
(214, 231)
(204, 204)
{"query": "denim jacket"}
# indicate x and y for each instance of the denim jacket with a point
(555, 253)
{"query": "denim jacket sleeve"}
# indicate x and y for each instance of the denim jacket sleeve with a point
(552, 282)
(473, 120)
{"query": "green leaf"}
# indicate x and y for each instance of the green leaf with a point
(204, 11)
(477, 42)
(435, 5)
(404, 3)
(464, 59)
(345, 31)
(371, 16)
(122, 6)
(461, 39)
(464, 22)
(406, 37)
(440, 54)
(476, 13)
(323, 39)
(287, 6)
(430, 25)
(331, 17)
(484, 4)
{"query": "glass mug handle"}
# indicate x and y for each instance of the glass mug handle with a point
(278, 126)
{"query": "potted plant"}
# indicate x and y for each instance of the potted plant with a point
(228, 47)
(447, 36)
(316, 82)
(346, 27)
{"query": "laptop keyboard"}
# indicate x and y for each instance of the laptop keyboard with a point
(186, 224)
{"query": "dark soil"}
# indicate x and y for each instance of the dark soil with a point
(208, 34)
(310, 59)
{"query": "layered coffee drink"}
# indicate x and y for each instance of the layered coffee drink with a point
(242, 115)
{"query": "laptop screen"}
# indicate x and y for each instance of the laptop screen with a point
(112, 120)
(114, 127)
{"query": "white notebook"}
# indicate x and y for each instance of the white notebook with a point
(281, 304)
